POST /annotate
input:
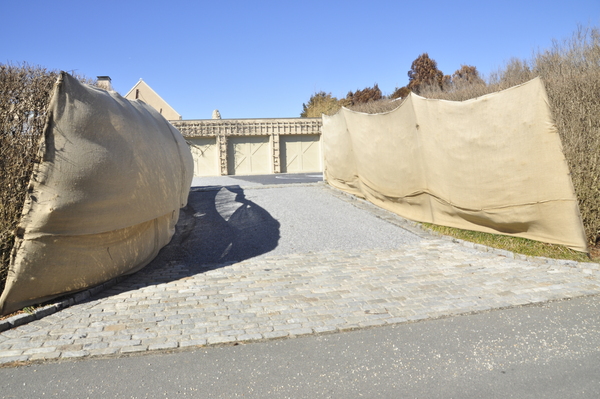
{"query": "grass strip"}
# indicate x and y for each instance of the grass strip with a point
(518, 245)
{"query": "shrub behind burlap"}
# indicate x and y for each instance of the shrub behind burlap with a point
(570, 71)
(24, 96)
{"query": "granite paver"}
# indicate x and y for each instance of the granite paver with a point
(293, 295)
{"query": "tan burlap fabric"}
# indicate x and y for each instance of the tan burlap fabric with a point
(104, 199)
(493, 164)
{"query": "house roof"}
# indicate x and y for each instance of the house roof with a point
(150, 97)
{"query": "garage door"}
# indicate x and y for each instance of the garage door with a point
(300, 153)
(248, 155)
(206, 159)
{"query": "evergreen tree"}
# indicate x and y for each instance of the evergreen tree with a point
(320, 103)
(467, 74)
(424, 71)
(365, 95)
(400, 92)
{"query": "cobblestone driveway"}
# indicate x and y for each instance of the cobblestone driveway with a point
(174, 304)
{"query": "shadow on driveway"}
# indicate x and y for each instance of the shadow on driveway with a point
(219, 226)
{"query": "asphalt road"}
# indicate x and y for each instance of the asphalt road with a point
(544, 351)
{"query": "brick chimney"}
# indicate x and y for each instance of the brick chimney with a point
(104, 83)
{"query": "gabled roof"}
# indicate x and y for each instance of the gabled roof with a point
(142, 91)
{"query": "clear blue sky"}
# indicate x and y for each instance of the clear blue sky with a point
(264, 59)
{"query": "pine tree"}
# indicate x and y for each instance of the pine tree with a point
(365, 95)
(400, 92)
(424, 71)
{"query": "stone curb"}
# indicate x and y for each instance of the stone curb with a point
(37, 314)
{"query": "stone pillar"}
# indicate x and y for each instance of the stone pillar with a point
(276, 153)
(222, 146)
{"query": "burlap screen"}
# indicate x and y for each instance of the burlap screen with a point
(104, 199)
(493, 164)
